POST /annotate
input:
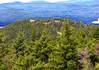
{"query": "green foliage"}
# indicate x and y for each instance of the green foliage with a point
(49, 45)
(97, 66)
(96, 34)
(71, 65)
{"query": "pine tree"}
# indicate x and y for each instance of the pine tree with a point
(41, 51)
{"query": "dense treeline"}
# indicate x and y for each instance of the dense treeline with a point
(49, 45)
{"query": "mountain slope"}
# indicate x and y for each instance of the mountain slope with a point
(49, 45)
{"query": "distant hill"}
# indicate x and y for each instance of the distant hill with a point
(78, 11)
(18, 2)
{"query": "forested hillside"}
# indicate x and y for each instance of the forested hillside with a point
(49, 45)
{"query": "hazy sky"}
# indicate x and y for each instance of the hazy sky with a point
(6, 1)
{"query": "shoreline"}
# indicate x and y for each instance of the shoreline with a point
(1, 27)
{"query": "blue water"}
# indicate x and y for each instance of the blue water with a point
(85, 12)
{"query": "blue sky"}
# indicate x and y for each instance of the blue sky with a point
(6, 1)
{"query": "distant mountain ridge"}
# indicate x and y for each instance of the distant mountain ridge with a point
(79, 11)
(43, 2)
(18, 2)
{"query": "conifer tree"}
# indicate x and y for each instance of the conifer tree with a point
(41, 50)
